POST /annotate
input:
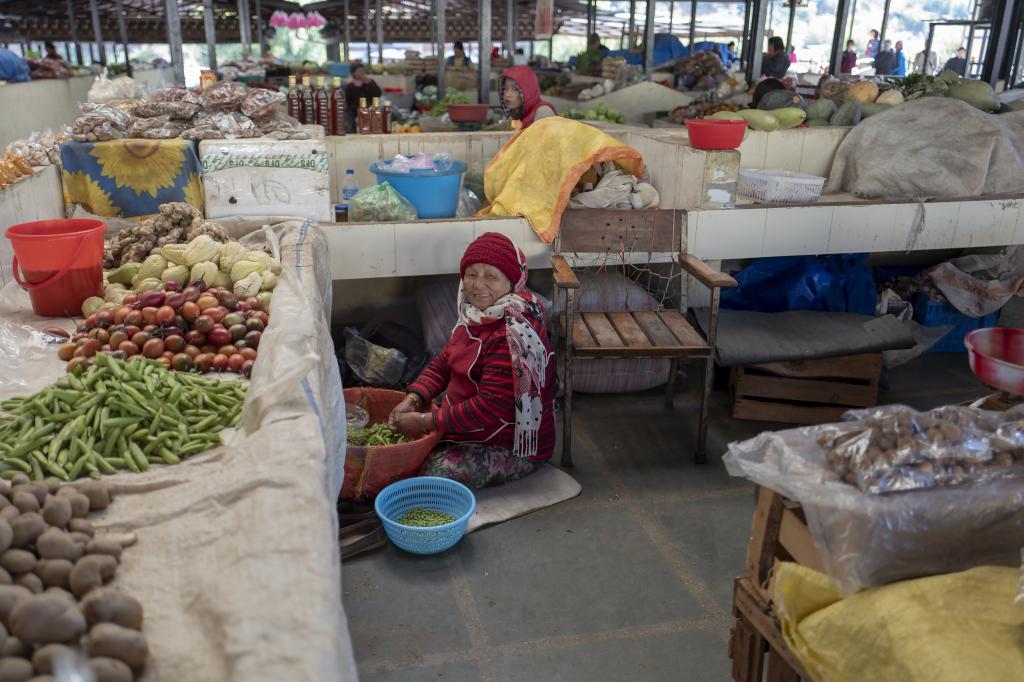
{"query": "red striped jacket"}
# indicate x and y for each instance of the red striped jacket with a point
(475, 373)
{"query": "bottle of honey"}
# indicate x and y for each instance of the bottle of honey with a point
(386, 119)
(294, 99)
(323, 105)
(339, 112)
(376, 117)
(363, 117)
(308, 102)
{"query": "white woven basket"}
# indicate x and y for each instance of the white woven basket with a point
(779, 186)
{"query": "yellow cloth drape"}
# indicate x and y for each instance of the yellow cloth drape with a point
(536, 170)
(958, 627)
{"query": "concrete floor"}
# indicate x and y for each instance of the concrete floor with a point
(632, 580)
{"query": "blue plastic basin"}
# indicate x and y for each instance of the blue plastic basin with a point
(435, 194)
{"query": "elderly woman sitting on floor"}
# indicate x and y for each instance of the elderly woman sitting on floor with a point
(496, 373)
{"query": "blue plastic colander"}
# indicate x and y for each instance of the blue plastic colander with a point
(429, 492)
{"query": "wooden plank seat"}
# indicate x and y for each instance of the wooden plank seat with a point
(661, 334)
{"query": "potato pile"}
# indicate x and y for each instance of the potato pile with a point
(896, 448)
(54, 598)
(177, 223)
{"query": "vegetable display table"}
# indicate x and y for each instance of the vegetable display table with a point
(236, 561)
(130, 178)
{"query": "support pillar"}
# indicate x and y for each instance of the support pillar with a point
(649, 40)
(98, 32)
(122, 28)
(74, 32)
(484, 36)
(839, 36)
(174, 40)
(210, 27)
(758, 18)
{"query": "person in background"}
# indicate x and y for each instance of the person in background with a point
(460, 58)
(775, 63)
(519, 94)
(269, 58)
(926, 63)
(497, 375)
(901, 60)
(594, 45)
(958, 62)
(495, 52)
(885, 61)
(520, 58)
(872, 49)
(849, 58)
(51, 51)
(361, 85)
(13, 68)
(730, 54)
(792, 55)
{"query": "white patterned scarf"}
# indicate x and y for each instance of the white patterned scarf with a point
(529, 355)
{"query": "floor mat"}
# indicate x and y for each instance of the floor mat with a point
(545, 487)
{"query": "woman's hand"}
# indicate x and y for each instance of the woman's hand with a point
(404, 407)
(410, 424)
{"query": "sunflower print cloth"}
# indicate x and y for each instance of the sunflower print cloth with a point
(130, 178)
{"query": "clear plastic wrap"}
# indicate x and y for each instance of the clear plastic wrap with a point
(866, 540)
(260, 102)
(180, 111)
(380, 203)
(281, 126)
(105, 89)
(174, 95)
(39, 149)
(223, 96)
(403, 164)
(229, 126)
(99, 122)
(376, 365)
(156, 128)
(895, 448)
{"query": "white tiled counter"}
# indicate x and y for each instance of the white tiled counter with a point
(841, 224)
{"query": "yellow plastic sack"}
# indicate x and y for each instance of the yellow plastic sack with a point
(536, 170)
(958, 627)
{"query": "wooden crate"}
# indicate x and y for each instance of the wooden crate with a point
(807, 391)
(756, 646)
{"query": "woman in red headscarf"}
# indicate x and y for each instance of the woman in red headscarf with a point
(519, 92)
(497, 375)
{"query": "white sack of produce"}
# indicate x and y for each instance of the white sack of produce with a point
(932, 148)
(236, 563)
(266, 177)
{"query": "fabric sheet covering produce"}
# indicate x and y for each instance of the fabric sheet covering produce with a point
(237, 563)
(934, 148)
(946, 628)
(130, 178)
(536, 171)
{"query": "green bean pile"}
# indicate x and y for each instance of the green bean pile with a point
(378, 434)
(115, 416)
(424, 518)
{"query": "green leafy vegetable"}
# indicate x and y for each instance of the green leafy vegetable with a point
(378, 434)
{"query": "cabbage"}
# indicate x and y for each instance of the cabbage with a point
(152, 267)
(231, 253)
(200, 249)
(205, 271)
(178, 273)
(92, 305)
(149, 284)
(243, 268)
(248, 285)
(978, 94)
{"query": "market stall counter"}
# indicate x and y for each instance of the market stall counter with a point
(235, 562)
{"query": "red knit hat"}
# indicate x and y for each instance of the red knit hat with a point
(494, 248)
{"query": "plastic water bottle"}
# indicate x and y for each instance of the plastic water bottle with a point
(349, 189)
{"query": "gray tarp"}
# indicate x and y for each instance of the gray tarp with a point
(931, 148)
(237, 562)
(747, 337)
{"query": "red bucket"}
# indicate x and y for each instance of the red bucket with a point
(712, 133)
(59, 262)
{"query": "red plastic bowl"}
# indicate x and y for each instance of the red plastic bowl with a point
(996, 355)
(715, 134)
(467, 113)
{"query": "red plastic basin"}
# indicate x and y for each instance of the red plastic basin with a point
(996, 355)
(467, 113)
(715, 134)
